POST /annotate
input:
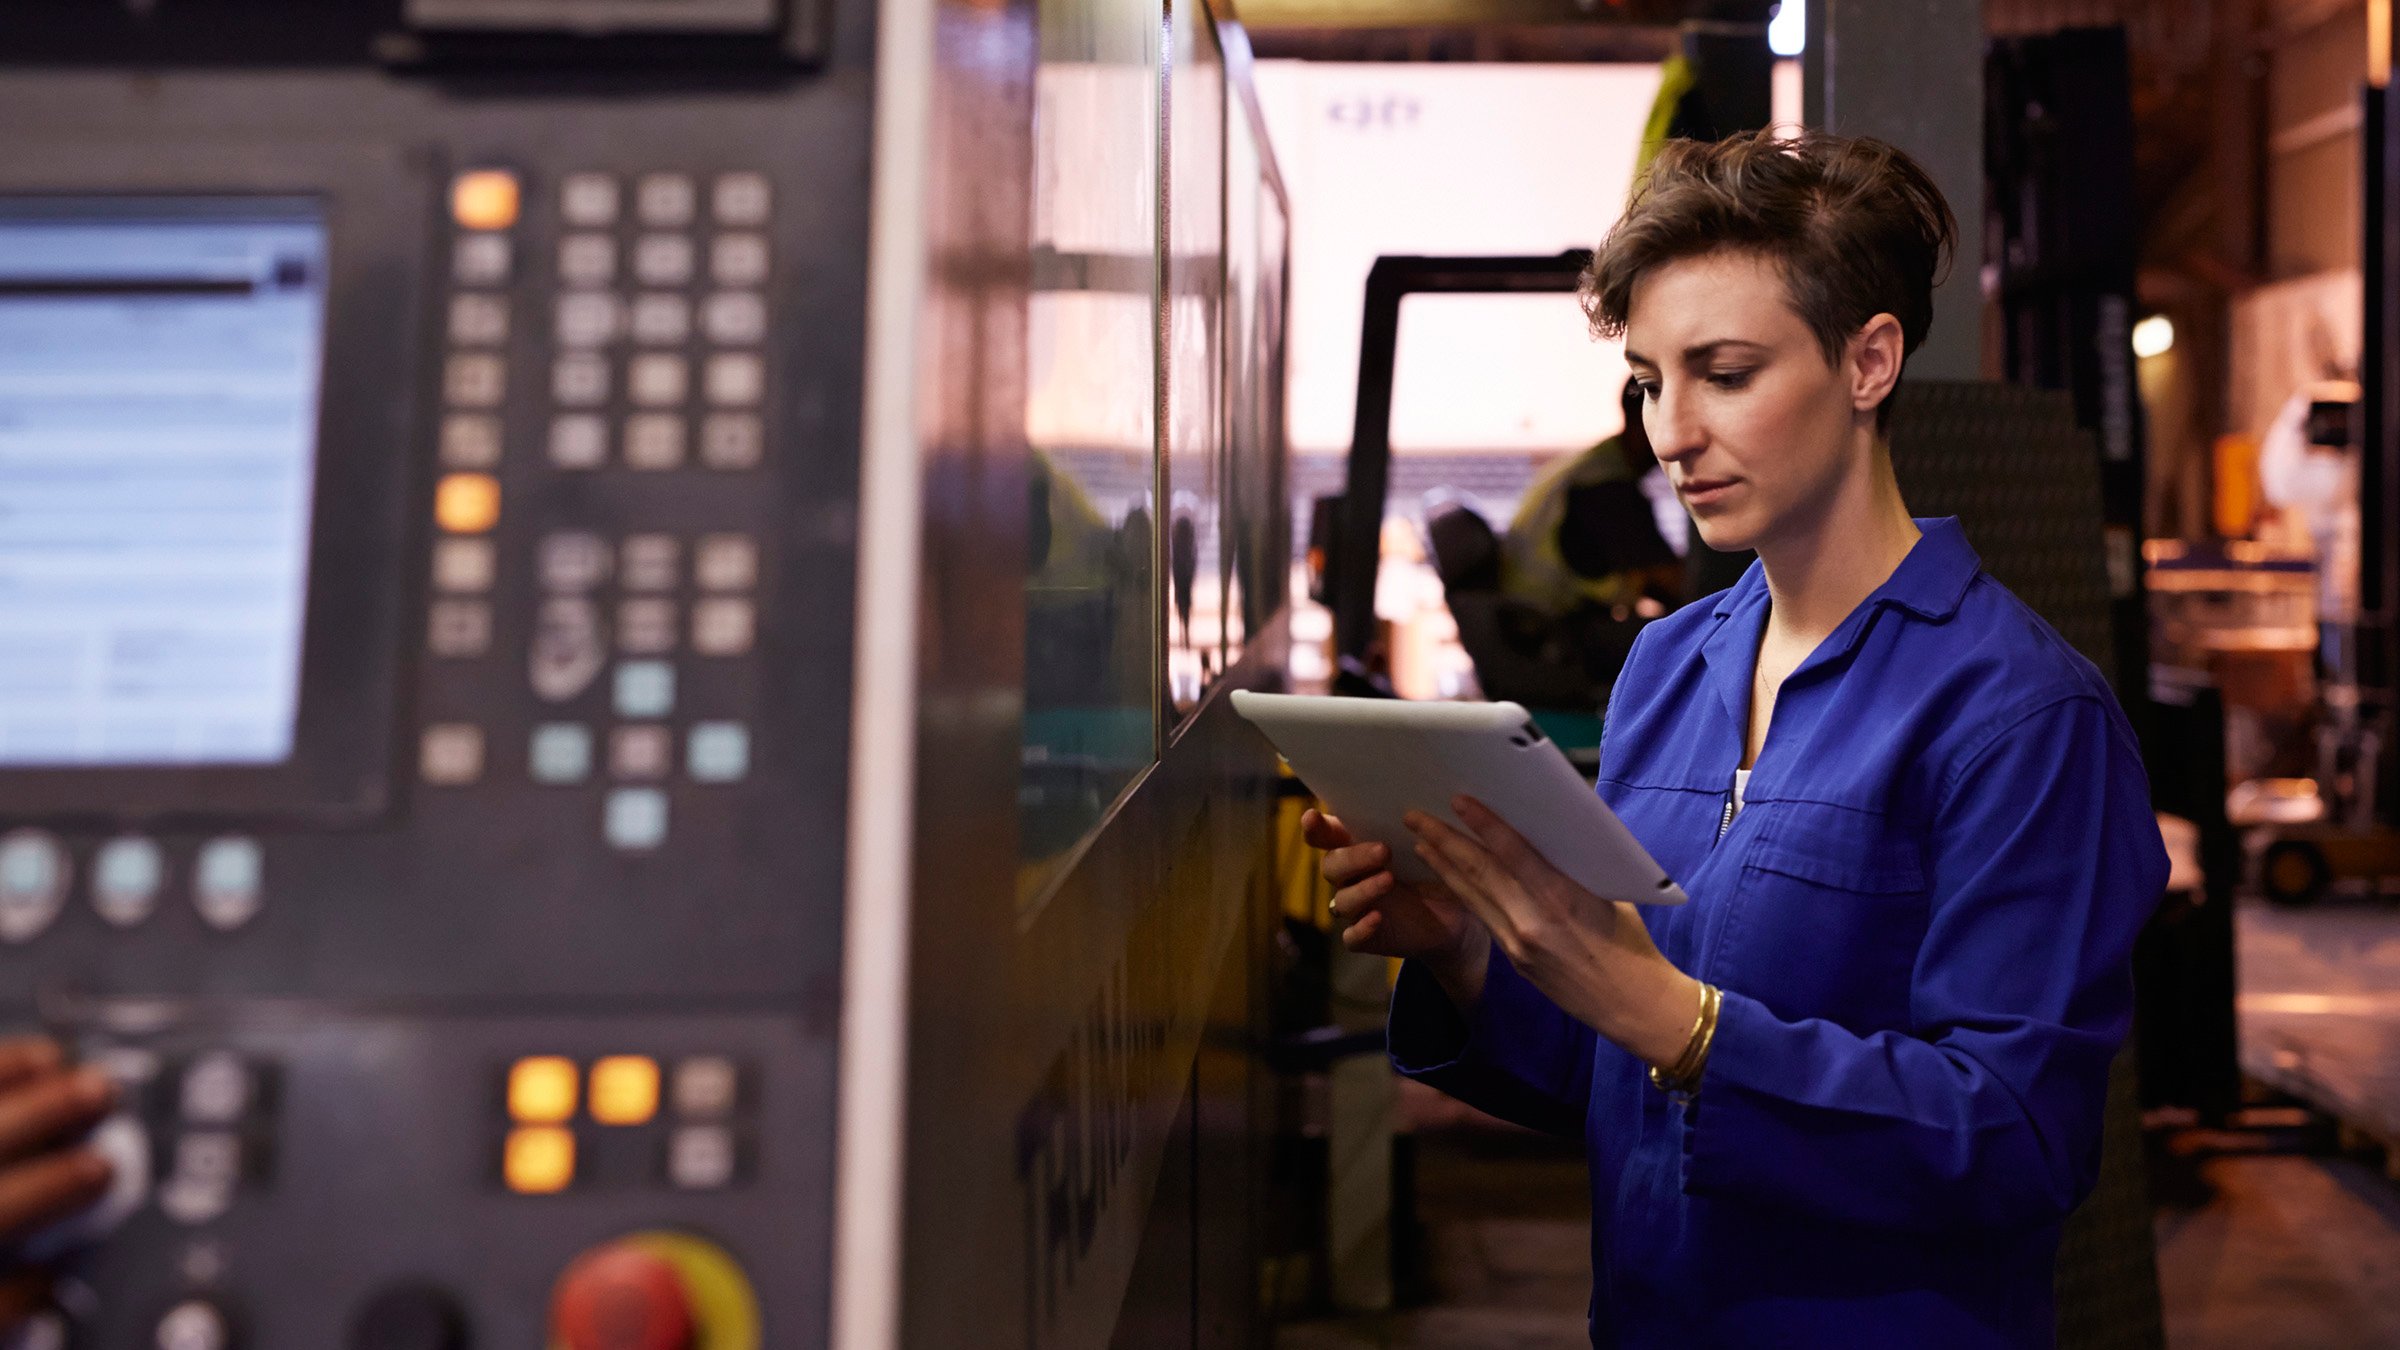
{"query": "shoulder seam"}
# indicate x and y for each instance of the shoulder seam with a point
(1997, 727)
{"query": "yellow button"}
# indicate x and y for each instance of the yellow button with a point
(541, 1090)
(467, 503)
(539, 1159)
(485, 199)
(625, 1090)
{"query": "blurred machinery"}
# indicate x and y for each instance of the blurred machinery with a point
(558, 735)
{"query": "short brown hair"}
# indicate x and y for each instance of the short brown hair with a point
(1856, 227)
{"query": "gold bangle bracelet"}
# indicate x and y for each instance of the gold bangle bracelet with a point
(1686, 1069)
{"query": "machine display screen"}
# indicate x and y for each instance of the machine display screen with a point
(160, 371)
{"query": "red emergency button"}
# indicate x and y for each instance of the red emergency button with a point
(622, 1297)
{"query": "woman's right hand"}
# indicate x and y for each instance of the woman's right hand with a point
(1381, 915)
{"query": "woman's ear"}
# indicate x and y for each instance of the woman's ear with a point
(1875, 356)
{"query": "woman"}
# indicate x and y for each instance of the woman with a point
(1847, 1094)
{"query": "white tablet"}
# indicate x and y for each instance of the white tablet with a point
(1371, 761)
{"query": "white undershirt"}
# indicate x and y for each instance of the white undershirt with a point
(1741, 789)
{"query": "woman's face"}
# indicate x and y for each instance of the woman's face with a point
(1752, 426)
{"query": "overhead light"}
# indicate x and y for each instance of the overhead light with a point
(1787, 32)
(2154, 336)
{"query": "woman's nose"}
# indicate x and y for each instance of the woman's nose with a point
(1674, 433)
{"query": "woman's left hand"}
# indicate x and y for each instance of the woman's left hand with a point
(1592, 957)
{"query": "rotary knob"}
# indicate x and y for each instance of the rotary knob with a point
(622, 1296)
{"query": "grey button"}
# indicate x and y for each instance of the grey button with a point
(665, 199)
(588, 199)
(579, 380)
(193, 1200)
(569, 649)
(33, 884)
(654, 441)
(635, 818)
(645, 689)
(561, 753)
(459, 628)
(700, 1157)
(478, 320)
(725, 562)
(731, 441)
(734, 379)
(643, 752)
(226, 883)
(578, 441)
(736, 318)
(722, 626)
(646, 627)
(738, 259)
(742, 199)
(463, 565)
(587, 319)
(587, 260)
(450, 754)
(474, 380)
(194, 1324)
(470, 441)
(572, 561)
(662, 259)
(126, 1145)
(658, 380)
(480, 259)
(45, 1330)
(705, 1087)
(216, 1089)
(718, 752)
(649, 562)
(126, 876)
(661, 319)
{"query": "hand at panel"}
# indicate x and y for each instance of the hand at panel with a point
(46, 1172)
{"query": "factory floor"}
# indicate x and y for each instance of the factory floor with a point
(2268, 1237)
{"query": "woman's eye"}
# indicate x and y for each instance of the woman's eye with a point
(1649, 391)
(1729, 379)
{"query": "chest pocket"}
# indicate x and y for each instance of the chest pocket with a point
(1830, 913)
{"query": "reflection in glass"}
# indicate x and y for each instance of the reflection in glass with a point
(1195, 359)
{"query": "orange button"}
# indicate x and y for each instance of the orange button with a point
(625, 1090)
(539, 1159)
(622, 1297)
(484, 199)
(467, 503)
(541, 1090)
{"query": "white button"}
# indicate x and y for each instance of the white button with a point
(587, 319)
(723, 627)
(470, 441)
(478, 320)
(194, 1325)
(572, 561)
(657, 380)
(450, 754)
(705, 1087)
(662, 259)
(665, 199)
(718, 752)
(561, 753)
(700, 1157)
(580, 380)
(465, 565)
(578, 441)
(731, 441)
(641, 752)
(195, 1200)
(661, 320)
(635, 818)
(480, 259)
(126, 1145)
(648, 562)
(474, 380)
(725, 562)
(216, 1089)
(45, 1330)
(738, 259)
(654, 441)
(588, 199)
(33, 884)
(587, 260)
(737, 318)
(226, 885)
(568, 649)
(459, 628)
(646, 627)
(734, 379)
(208, 1155)
(645, 689)
(742, 199)
(126, 876)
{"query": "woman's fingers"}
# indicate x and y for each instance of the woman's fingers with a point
(37, 1190)
(1343, 866)
(35, 1113)
(1352, 900)
(1495, 834)
(1323, 831)
(21, 1296)
(23, 1057)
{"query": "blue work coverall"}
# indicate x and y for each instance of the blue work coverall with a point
(1922, 921)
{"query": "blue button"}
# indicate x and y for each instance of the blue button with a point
(126, 877)
(562, 753)
(637, 818)
(718, 752)
(645, 689)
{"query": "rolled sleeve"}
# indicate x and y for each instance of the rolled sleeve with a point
(1986, 1112)
(1516, 1056)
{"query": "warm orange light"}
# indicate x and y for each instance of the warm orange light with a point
(539, 1159)
(541, 1090)
(485, 199)
(625, 1090)
(467, 503)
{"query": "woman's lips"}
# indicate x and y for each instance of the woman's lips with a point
(1704, 492)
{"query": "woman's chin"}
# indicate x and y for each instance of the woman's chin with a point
(1724, 531)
